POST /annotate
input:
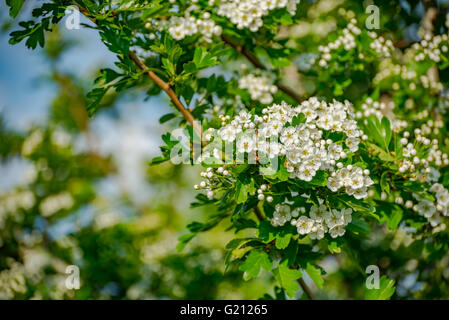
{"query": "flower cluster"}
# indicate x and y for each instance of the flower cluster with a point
(380, 109)
(370, 107)
(181, 27)
(249, 13)
(260, 88)
(347, 41)
(420, 166)
(13, 202)
(302, 144)
(212, 180)
(380, 45)
(405, 78)
(354, 179)
(12, 280)
(320, 221)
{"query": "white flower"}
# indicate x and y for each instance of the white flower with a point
(433, 175)
(335, 151)
(426, 208)
(271, 149)
(356, 181)
(227, 133)
(249, 13)
(436, 187)
(281, 215)
(246, 144)
(259, 87)
(337, 231)
(181, 27)
(317, 213)
(306, 173)
(334, 184)
(443, 198)
(243, 117)
(318, 231)
(347, 215)
(293, 156)
(334, 218)
(435, 219)
(288, 136)
(360, 193)
(352, 144)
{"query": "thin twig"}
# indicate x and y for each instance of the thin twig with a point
(258, 213)
(159, 82)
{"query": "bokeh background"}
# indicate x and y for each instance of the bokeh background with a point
(80, 191)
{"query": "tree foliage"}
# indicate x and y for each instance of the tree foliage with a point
(338, 133)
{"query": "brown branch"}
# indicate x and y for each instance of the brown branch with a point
(248, 54)
(306, 289)
(159, 82)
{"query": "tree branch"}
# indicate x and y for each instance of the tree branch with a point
(248, 54)
(166, 87)
(159, 82)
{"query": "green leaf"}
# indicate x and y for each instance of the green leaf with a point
(203, 59)
(359, 226)
(291, 252)
(15, 7)
(315, 274)
(391, 214)
(267, 232)
(384, 182)
(379, 131)
(383, 155)
(94, 98)
(287, 278)
(158, 160)
(386, 130)
(242, 190)
(320, 179)
(300, 118)
(385, 291)
(184, 240)
(255, 261)
(395, 219)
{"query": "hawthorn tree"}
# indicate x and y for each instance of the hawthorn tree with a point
(321, 132)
